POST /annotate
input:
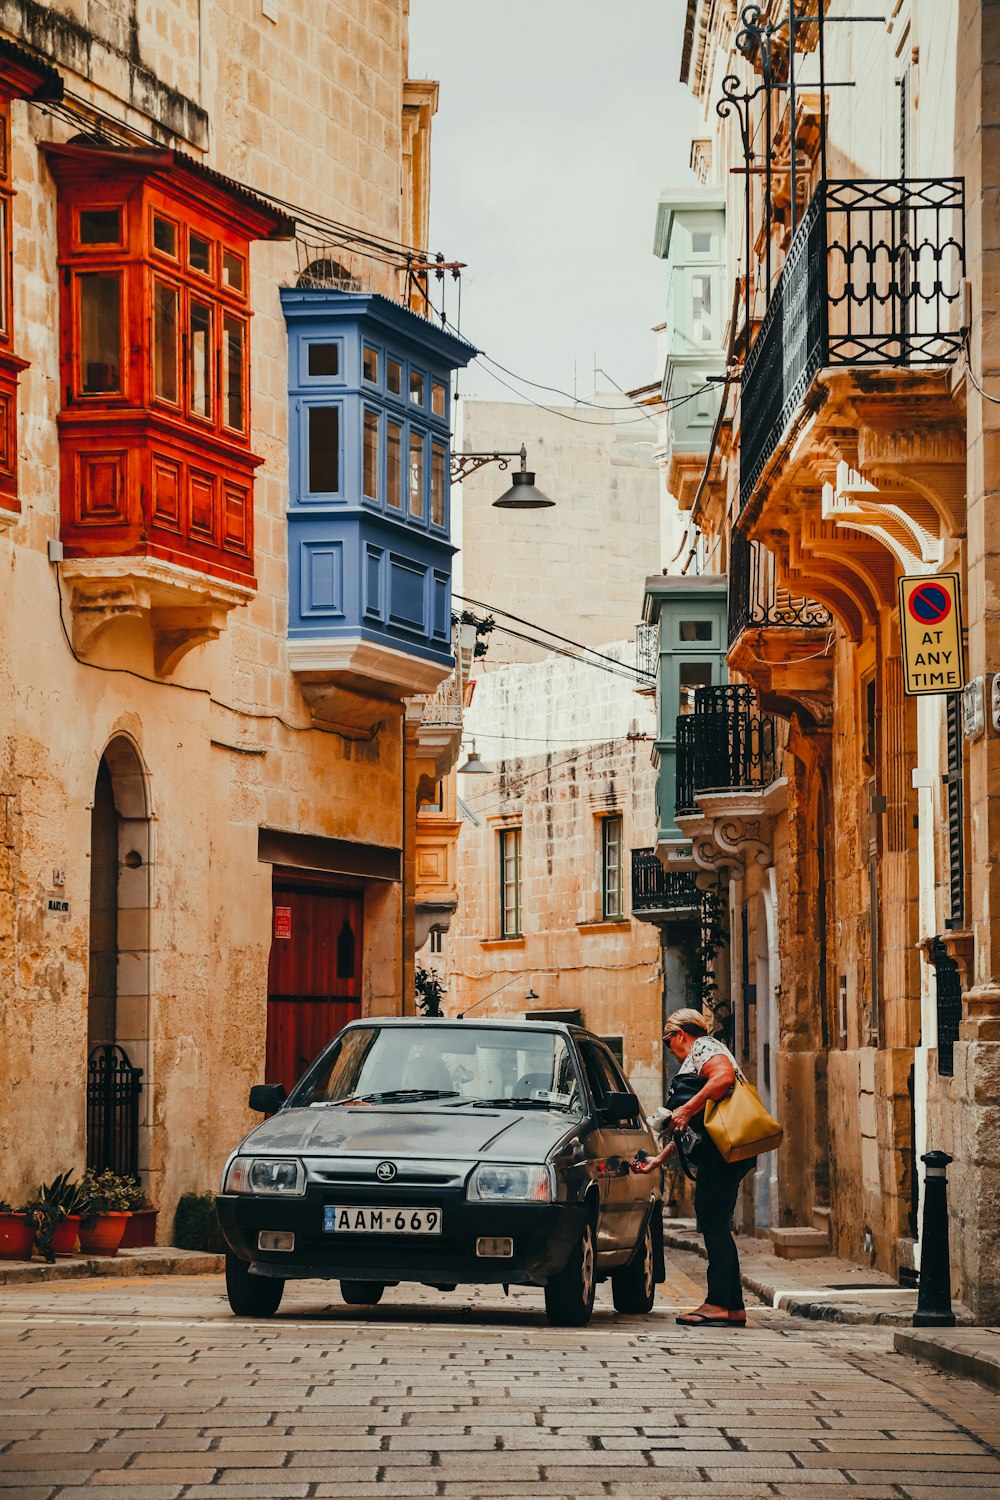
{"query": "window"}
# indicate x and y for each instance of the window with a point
(200, 359)
(369, 364)
(437, 483)
(695, 630)
(701, 242)
(394, 466)
(324, 359)
(510, 882)
(324, 450)
(416, 474)
(199, 254)
(394, 377)
(438, 398)
(701, 309)
(166, 382)
(165, 236)
(692, 675)
(416, 388)
(370, 479)
(437, 940)
(100, 226)
(233, 371)
(100, 332)
(611, 867)
(234, 270)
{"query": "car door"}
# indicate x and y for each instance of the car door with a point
(600, 1143)
(628, 1192)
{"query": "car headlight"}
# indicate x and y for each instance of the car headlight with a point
(505, 1183)
(265, 1174)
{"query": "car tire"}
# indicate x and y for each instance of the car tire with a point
(633, 1287)
(362, 1293)
(251, 1296)
(569, 1294)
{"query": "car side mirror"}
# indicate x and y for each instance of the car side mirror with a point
(267, 1098)
(615, 1108)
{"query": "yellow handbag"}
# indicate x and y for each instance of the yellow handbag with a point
(740, 1126)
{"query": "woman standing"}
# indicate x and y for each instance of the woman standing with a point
(718, 1182)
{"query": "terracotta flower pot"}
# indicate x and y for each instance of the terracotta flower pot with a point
(105, 1235)
(140, 1229)
(64, 1236)
(17, 1237)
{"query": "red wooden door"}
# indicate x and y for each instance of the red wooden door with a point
(314, 974)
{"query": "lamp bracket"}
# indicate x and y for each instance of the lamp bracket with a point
(464, 464)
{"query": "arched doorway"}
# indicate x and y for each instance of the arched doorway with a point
(118, 990)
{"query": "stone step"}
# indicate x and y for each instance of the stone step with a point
(797, 1243)
(821, 1218)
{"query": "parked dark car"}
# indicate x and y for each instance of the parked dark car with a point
(440, 1152)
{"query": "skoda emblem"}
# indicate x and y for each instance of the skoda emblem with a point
(385, 1171)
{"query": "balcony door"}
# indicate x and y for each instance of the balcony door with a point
(314, 973)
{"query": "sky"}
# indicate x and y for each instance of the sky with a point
(560, 122)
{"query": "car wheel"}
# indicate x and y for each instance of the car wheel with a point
(251, 1296)
(569, 1294)
(362, 1293)
(633, 1287)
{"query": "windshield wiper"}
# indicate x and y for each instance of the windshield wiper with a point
(394, 1096)
(516, 1104)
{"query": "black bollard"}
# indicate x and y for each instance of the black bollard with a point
(934, 1294)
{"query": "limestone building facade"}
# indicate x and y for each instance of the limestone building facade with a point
(225, 543)
(854, 824)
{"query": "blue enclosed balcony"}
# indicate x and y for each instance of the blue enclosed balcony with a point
(369, 546)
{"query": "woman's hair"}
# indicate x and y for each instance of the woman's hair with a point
(690, 1021)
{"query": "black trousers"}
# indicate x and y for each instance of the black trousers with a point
(715, 1194)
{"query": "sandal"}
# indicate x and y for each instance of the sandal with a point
(703, 1320)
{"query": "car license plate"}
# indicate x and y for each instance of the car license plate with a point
(381, 1220)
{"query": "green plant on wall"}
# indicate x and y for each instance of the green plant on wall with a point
(484, 626)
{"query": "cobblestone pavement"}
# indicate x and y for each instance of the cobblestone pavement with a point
(149, 1390)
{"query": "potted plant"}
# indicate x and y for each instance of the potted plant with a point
(104, 1202)
(140, 1227)
(17, 1234)
(54, 1214)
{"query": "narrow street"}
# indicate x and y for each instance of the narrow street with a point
(151, 1389)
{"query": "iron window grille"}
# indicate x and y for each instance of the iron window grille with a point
(948, 982)
(657, 889)
(873, 277)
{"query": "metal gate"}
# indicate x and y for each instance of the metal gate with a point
(113, 1089)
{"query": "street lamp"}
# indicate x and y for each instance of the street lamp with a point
(474, 766)
(522, 494)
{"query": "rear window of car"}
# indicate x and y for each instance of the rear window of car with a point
(455, 1062)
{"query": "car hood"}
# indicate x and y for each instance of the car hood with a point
(420, 1131)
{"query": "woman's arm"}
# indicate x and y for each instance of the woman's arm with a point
(719, 1075)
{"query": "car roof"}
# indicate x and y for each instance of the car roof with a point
(495, 1023)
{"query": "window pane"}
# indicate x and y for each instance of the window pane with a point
(199, 254)
(416, 474)
(437, 398)
(233, 270)
(165, 341)
(510, 882)
(369, 365)
(612, 838)
(324, 359)
(701, 309)
(233, 357)
(100, 226)
(371, 455)
(701, 242)
(100, 333)
(695, 630)
(437, 483)
(394, 466)
(416, 388)
(4, 262)
(324, 450)
(394, 377)
(164, 236)
(200, 359)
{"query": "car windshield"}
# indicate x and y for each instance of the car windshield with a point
(450, 1065)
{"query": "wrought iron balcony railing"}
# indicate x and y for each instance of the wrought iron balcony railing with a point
(873, 277)
(726, 745)
(657, 889)
(755, 601)
(444, 705)
(647, 656)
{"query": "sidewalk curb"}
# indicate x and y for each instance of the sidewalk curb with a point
(951, 1349)
(821, 1304)
(164, 1261)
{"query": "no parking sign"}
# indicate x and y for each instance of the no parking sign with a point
(930, 624)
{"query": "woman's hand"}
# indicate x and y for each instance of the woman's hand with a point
(652, 1162)
(681, 1117)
